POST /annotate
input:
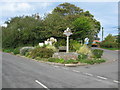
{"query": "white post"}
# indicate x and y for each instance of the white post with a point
(67, 44)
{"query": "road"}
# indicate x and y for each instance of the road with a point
(19, 72)
(109, 55)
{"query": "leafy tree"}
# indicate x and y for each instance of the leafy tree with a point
(27, 30)
(84, 28)
(22, 31)
(81, 23)
(110, 38)
(110, 42)
(67, 9)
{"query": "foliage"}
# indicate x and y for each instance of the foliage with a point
(97, 53)
(71, 61)
(109, 42)
(61, 42)
(41, 52)
(26, 30)
(51, 47)
(22, 31)
(74, 45)
(94, 61)
(82, 56)
(24, 50)
(85, 50)
(16, 50)
(57, 60)
(67, 9)
(8, 50)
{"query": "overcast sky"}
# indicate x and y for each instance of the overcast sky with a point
(105, 12)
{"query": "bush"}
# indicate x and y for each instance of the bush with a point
(61, 42)
(8, 50)
(85, 50)
(51, 47)
(107, 44)
(71, 61)
(41, 52)
(97, 61)
(16, 50)
(82, 56)
(74, 45)
(24, 50)
(97, 53)
(57, 60)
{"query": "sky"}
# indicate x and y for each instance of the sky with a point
(105, 12)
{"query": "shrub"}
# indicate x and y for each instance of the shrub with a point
(57, 60)
(16, 50)
(85, 50)
(82, 56)
(24, 50)
(8, 50)
(97, 61)
(61, 42)
(97, 53)
(51, 47)
(41, 52)
(109, 42)
(71, 61)
(74, 45)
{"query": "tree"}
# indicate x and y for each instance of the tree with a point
(81, 23)
(85, 28)
(67, 9)
(25, 30)
(22, 31)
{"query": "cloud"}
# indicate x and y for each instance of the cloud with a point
(59, 0)
(12, 7)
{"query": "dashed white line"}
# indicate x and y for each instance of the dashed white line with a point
(102, 77)
(65, 68)
(42, 84)
(76, 71)
(116, 81)
(56, 66)
(88, 74)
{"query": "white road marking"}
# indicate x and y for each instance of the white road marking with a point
(56, 66)
(65, 68)
(76, 71)
(41, 84)
(88, 74)
(116, 81)
(102, 77)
